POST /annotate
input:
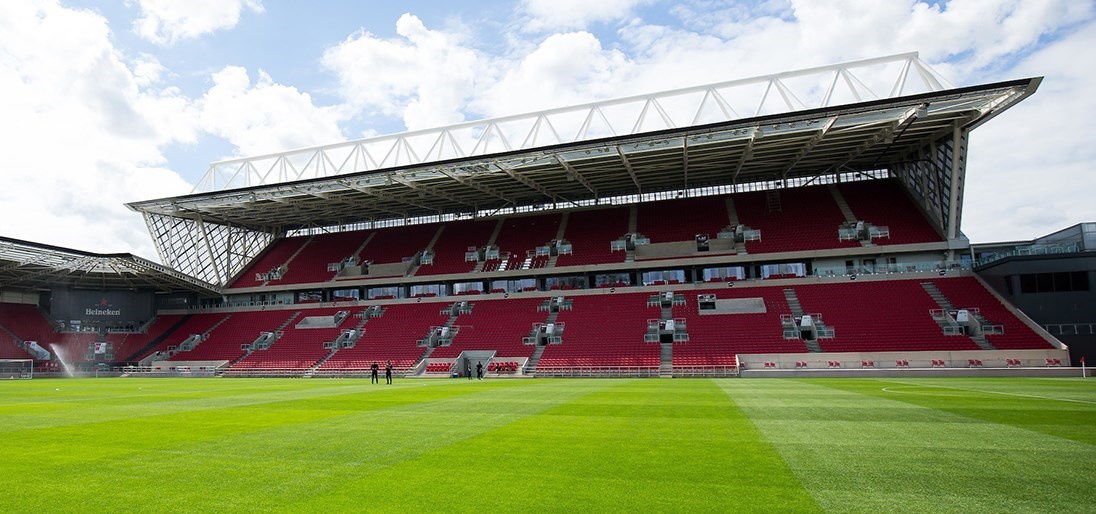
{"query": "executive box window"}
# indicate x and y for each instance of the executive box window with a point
(1054, 282)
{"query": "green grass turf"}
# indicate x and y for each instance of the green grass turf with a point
(642, 445)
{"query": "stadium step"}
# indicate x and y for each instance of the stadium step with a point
(945, 304)
(420, 365)
(937, 296)
(797, 310)
(850, 217)
(559, 237)
(732, 213)
(14, 337)
(531, 366)
(495, 233)
(358, 251)
(205, 335)
(666, 361)
(17, 341)
(159, 339)
(285, 265)
(793, 302)
(434, 240)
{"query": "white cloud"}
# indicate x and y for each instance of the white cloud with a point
(967, 41)
(166, 22)
(423, 76)
(576, 14)
(81, 135)
(565, 69)
(264, 117)
(1030, 171)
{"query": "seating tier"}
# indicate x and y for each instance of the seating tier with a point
(967, 292)
(590, 234)
(496, 325)
(604, 330)
(393, 336)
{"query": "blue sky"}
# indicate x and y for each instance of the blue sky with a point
(109, 102)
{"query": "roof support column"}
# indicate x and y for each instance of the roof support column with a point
(958, 173)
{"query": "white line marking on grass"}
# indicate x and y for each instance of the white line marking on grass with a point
(885, 389)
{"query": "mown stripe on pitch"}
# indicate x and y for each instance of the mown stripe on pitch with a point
(858, 452)
(256, 451)
(625, 446)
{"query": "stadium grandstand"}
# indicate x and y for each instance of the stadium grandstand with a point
(804, 222)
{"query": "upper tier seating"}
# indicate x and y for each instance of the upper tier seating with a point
(522, 234)
(883, 202)
(276, 254)
(224, 341)
(878, 316)
(496, 325)
(311, 264)
(682, 220)
(453, 243)
(605, 330)
(298, 348)
(393, 336)
(397, 243)
(967, 292)
(714, 339)
(808, 220)
(590, 234)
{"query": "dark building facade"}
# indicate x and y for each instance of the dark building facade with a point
(1052, 279)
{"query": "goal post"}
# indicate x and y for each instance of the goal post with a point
(11, 369)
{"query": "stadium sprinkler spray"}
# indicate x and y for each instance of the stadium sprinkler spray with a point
(57, 352)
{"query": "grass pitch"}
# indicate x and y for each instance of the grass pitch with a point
(643, 445)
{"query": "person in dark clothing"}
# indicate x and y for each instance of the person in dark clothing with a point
(388, 373)
(468, 370)
(479, 370)
(373, 374)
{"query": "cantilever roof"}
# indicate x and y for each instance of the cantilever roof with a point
(25, 265)
(530, 159)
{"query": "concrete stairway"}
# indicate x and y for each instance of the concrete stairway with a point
(732, 218)
(666, 360)
(846, 211)
(294, 255)
(945, 304)
(490, 241)
(559, 237)
(532, 365)
(797, 311)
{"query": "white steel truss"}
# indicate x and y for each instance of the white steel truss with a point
(211, 252)
(869, 79)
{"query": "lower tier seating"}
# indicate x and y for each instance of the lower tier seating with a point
(393, 336)
(298, 348)
(604, 330)
(496, 325)
(881, 316)
(240, 328)
(967, 292)
(601, 330)
(714, 339)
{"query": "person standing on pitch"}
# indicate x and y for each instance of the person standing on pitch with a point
(388, 373)
(468, 369)
(479, 370)
(373, 374)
